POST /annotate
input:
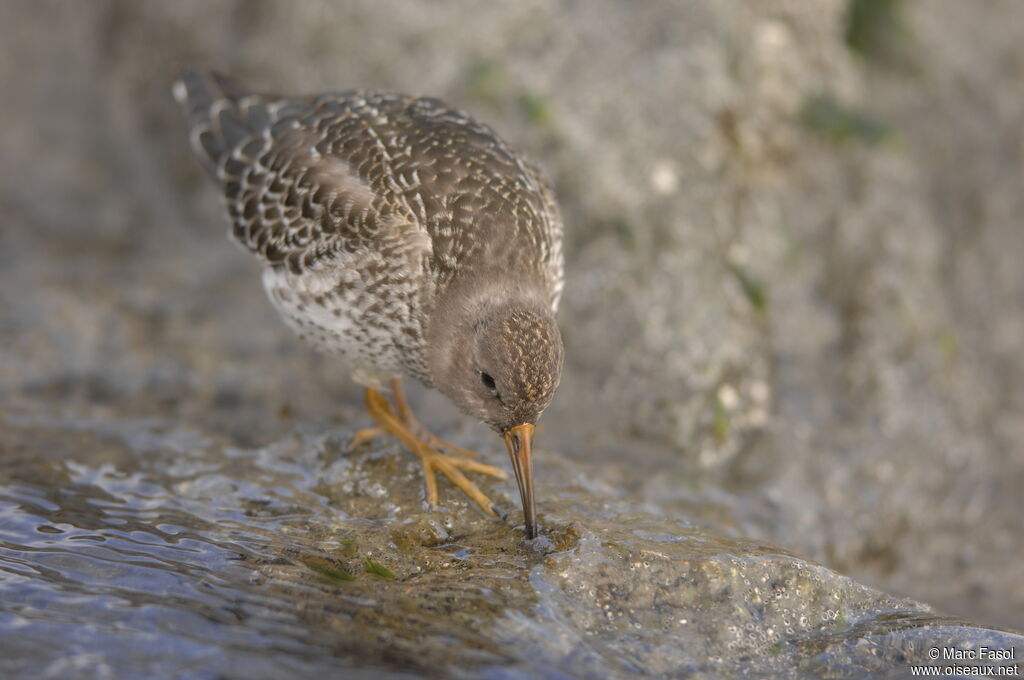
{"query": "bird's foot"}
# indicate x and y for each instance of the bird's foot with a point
(423, 434)
(439, 443)
(425, 445)
(364, 435)
(451, 467)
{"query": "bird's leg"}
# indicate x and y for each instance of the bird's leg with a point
(431, 459)
(405, 414)
(365, 434)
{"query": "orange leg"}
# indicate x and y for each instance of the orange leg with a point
(366, 434)
(417, 439)
(405, 414)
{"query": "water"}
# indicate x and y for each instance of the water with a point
(140, 549)
(145, 564)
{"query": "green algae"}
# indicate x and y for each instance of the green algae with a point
(839, 123)
(753, 289)
(375, 568)
(326, 568)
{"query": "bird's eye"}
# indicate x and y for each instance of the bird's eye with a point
(487, 380)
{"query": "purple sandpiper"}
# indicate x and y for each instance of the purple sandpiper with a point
(407, 238)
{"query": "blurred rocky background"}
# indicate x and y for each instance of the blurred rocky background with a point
(795, 304)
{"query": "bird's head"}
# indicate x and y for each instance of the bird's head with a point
(502, 365)
(513, 367)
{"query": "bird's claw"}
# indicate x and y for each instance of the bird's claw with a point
(425, 445)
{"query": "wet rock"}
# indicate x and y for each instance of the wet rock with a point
(224, 551)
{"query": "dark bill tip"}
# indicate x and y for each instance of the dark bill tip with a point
(519, 440)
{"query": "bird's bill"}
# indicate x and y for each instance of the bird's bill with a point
(519, 441)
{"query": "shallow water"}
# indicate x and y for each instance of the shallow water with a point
(143, 563)
(140, 549)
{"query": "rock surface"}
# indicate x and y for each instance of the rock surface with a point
(169, 553)
(794, 318)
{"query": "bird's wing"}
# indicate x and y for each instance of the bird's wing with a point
(480, 201)
(554, 259)
(295, 189)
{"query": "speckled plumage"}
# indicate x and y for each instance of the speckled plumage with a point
(369, 208)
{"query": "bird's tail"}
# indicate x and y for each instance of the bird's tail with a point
(219, 118)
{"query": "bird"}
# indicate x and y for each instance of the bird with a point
(407, 239)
